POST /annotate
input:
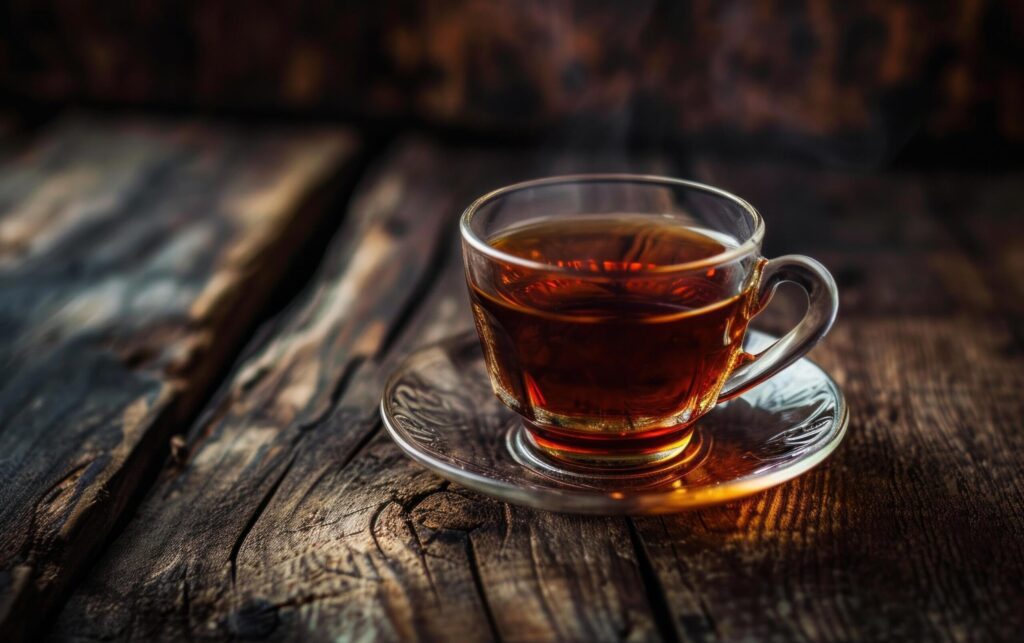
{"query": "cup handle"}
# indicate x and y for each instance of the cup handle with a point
(822, 306)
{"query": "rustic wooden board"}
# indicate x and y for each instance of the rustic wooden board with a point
(290, 514)
(313, 521)
(913, 529)
(134, 259)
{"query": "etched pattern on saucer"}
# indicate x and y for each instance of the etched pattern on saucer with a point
(438, 406)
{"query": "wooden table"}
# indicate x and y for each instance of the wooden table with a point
(196, 319)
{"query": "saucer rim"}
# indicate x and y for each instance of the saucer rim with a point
(600, 503)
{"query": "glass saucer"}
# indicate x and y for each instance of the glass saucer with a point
(438, 406)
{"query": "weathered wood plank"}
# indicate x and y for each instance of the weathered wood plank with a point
(912, 530)
(316, 525)
(457, 564)
(134, 259)
(294, 516)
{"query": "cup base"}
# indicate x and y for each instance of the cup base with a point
(668, 449)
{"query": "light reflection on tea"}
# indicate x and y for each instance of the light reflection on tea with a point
(605, 355)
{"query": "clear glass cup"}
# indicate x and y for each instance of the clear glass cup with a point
(612, 309)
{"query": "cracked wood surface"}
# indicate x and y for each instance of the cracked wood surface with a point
(134, 259)
(315, 525)
(287, 513)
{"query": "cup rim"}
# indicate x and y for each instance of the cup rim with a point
(752, 243)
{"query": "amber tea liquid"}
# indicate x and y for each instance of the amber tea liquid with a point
(608, 357)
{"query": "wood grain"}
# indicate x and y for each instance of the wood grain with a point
(317, 525)
(912, 529)
(130, 256)
(289, 514)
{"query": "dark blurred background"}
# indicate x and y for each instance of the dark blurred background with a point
(844, 84)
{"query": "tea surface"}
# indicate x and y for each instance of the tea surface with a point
(607, 348)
